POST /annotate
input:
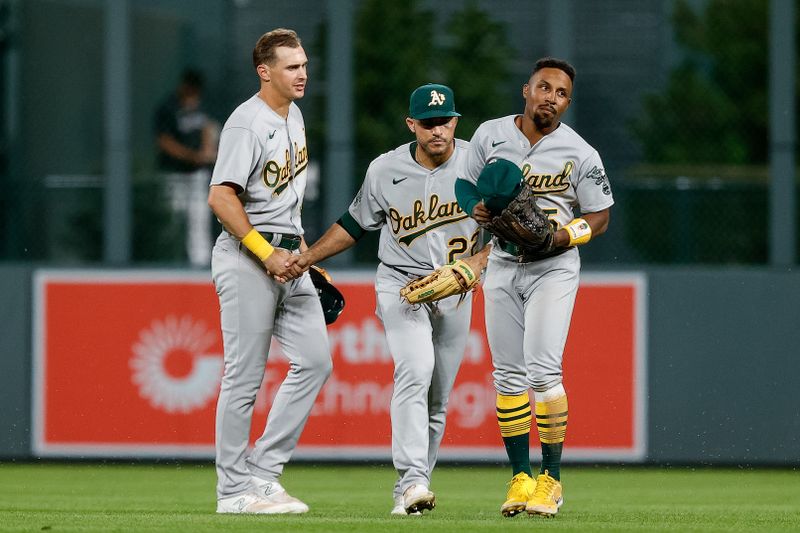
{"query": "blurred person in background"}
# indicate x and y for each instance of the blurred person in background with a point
(187, 147)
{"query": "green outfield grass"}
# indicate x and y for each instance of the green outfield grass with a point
(104, 497)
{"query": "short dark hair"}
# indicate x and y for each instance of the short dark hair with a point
(264, 51)
(552, 62)
(192, 78)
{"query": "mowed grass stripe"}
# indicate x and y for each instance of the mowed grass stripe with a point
(145, 497)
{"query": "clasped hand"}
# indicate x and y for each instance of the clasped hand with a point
(284, 266)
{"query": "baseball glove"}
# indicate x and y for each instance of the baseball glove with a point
(456, 278)
(524, 223)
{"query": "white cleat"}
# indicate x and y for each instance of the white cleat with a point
(400, 508)
(276, 496)
(247, 503)
(418, 498)
(272, 499)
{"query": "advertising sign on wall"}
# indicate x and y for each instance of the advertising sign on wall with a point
(128, 364)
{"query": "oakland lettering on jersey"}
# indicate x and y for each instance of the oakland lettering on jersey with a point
(278, 176)
(544, 183)
(444, 213)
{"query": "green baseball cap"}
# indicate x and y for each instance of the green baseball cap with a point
(498, 183)
(432, 101)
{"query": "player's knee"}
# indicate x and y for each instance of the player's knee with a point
(437, 406)
(327, 368)
(315, 362)
(241, 388)
(419, 373)
(322, 366)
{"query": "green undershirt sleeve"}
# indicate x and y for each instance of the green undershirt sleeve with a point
(351, 226)
(467, 195)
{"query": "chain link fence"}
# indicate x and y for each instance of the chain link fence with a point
(680, 121)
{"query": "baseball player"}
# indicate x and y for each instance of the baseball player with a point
(256, 192)
(408, 194)
(529, 302)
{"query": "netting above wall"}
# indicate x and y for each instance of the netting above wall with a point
(672, 94)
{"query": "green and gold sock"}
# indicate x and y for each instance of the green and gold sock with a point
(551, 419)
(514, 418)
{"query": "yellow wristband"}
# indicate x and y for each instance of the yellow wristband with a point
(580, 232)
(258, 245)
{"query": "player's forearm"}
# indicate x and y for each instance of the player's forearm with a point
(334, 241)
(598, 222)
(467, 195)
(227, 207)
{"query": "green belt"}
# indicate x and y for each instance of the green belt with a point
(287, 242)
(509, 247)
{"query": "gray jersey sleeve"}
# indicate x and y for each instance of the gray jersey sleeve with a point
(366, 209)
(476, 159)
(592, 187)
(239, 153)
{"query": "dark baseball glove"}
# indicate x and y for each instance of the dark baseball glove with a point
(524, 223)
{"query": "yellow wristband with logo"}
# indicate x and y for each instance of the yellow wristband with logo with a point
(580, 232)
(258, 245)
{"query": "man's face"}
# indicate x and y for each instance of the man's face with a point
(434, 135)
(287, 75)
(547, 95)
(189, 96)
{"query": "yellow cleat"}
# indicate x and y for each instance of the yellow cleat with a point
(547, 497)
(520, 490)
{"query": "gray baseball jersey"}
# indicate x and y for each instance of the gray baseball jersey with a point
(563, 169)
(422, 228)
(529, 305)
(266, 156)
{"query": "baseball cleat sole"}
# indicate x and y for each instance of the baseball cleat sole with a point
(512, 511)
(424, 505)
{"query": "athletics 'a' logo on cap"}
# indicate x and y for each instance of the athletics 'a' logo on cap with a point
(437, 98)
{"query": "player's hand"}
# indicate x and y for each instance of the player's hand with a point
(482, 257)
(276, 265)
(296, 265)
(478, 261)
(481, 213)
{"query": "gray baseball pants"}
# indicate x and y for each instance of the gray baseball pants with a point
(253, 308)
(427, 344)
(528, 311)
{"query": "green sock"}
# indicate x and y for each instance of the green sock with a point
(551, 460)
(519, 453)
(514, 418)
